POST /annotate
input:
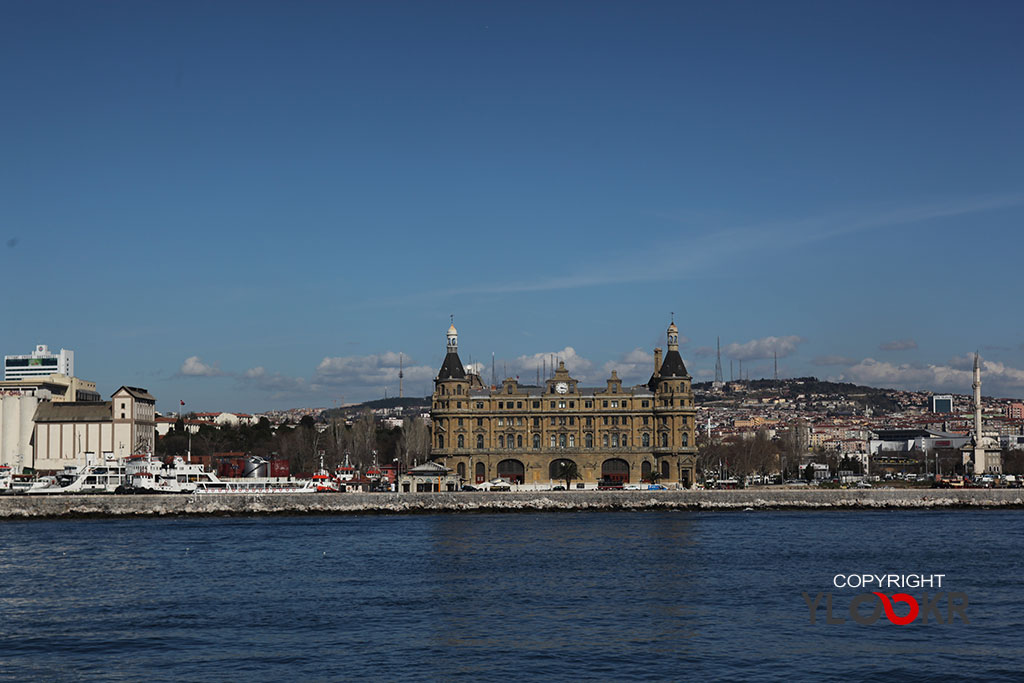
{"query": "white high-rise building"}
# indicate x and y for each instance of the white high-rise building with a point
(40, 363)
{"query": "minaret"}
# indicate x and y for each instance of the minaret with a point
(400, 375)
(976, 385)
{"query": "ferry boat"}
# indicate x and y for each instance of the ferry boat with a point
(6, 478)
(146, 474)
(256, 485)
(103, 477)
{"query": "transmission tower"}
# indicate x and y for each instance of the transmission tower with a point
(718, 362)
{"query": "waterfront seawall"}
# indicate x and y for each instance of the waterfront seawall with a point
(28, 507)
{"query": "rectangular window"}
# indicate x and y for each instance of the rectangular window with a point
(561, 404)
(645, 419)
(536, 404)
(536, 422)
(479, 405)
(615, 404)
(588, 404)
(572, 420)
(606, 421)
(552, 404)
(604, 404)
(501, 422)
(519, 404)
(645, 404)
(479, 422)
(501, 404)
(552, 422)
(460, 421)
(625, 404)
(572, 404)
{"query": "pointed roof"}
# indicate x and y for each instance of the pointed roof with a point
(452, 367)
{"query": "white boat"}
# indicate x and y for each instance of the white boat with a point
(6, 478)
(105, 477)
(256, 485)
(146, 474)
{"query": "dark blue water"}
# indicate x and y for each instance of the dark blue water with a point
(598, 596)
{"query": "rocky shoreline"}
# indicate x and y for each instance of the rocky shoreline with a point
(52, 507)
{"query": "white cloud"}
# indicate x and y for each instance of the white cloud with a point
(578, 366)
(833, 360)
(259, 378)
(372, 371)
(899, 345)
(957, 375)
(195, 367)
(764, 348)
(633, 367)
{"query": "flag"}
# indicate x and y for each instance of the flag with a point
(182, 403)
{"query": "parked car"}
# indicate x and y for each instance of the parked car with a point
(558, 488)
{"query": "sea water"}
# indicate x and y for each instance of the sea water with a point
(554, 595)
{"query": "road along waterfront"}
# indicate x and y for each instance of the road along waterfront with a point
(21, 507)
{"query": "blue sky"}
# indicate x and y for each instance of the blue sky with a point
(258, 205)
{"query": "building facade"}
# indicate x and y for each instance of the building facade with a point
(77, 433)
(524, 433)
(39, 363)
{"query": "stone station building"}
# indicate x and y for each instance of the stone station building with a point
(522, 433)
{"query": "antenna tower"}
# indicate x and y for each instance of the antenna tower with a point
(718, 362)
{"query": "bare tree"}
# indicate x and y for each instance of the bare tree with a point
(364, 438)
(414, 443)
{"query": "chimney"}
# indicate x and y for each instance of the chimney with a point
(657, 360)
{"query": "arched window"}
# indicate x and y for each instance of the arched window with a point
(615, 440)
(536, 441)
(561, 440)
(604, 441)
(440, 440)
(625, 441)
(686, 439)
(462, 442)
(645, 471)
(664, 440)
(589, 440)
(461, 469)
(509, 389)
(664, 469)
(572, 441)
(501, 441)
(479, 440)
(645, 440)
(519, 441)
(481, 473)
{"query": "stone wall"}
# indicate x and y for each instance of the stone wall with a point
(14, 507)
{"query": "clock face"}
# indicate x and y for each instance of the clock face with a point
(562, 387)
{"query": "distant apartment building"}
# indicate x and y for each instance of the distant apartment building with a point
(39, 363)
(1015, 411)
(942, 403)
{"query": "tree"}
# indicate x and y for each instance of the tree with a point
(809, 472)
(567, 471)
(364, 438)
(414, 441)
(655, 476)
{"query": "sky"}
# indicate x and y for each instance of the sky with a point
(258, 205)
